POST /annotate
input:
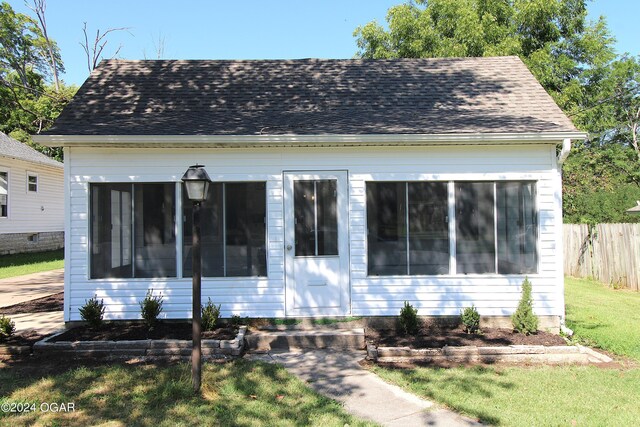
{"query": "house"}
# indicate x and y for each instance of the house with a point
(341, 187)
(31, 199)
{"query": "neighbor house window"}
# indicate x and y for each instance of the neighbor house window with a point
(4, 194)
(133, 230)
(32, 182)
(408, 232)
(495, 228)
(233, 231)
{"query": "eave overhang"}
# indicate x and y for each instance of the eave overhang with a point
(258, 141)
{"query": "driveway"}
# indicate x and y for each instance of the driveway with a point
(15, 290)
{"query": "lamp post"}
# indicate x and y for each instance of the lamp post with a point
(196, 181)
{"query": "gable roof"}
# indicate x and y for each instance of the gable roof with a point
(13, 149)
(311, 97)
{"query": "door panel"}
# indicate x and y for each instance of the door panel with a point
(316, 243)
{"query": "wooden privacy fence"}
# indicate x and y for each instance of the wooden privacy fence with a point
(609, 253)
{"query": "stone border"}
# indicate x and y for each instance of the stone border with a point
(537, 354)
(168, 349)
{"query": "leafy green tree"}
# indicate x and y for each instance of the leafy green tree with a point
(29, 103)
(572, 58)
(565, 53)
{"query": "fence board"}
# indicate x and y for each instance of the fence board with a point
(609, 253)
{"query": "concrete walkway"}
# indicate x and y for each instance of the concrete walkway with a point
(15, 290)
(337, 374)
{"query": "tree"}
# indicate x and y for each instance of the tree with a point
(572, 58)
(28, 102)
(565, 53)
(55, 60)
(94, 50)
(20, 45)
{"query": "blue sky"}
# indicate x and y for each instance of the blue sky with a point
(250, 29)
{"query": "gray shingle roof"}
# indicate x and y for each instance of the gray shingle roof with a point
(13, 149)
(311, 96)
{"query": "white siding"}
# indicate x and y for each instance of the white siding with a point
(441, 295)
(33, 212)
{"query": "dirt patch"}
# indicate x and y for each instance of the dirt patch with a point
(118, 331)
(53, 302)
(23, 338)
(436, 337)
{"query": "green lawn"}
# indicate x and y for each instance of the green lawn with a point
(238, 393)
(568, 395)
(21, 264)
(603, 317)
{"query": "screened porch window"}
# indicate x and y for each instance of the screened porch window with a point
(496, 228)
(233, 231)
(133, 230)
(408, 231)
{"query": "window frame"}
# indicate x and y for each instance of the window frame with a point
(37, 183)
(224, 231)
(90, 233)
(451, 204)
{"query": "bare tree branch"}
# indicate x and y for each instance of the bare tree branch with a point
(40, 7)
(94, 51)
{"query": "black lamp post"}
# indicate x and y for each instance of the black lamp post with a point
(196, 181)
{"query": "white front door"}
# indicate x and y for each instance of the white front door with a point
(316, 243)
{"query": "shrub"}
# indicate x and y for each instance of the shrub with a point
(210, 315)
(470, 319)
(92, 312)
(7, 327)
(409, 319)
(150, 308)
(524, 321)
(236, 320)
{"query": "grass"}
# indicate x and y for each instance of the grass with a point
(603, 317)
(516, 396)
(547, 395)
(239, 393)
(21, 264)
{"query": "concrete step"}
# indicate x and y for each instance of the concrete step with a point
(264, 340)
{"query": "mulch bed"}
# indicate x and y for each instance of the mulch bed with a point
(436, 337)
(23, 338)
(53, 302)
(121, 331)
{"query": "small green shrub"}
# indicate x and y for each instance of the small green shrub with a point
(210, 315)
(236, 320)
(524, 321)
(470, 318)
(150, 308)
(92, 312)
(7, 327)
(409, 319)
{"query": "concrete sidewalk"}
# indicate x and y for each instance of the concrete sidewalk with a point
(338, 375)
(15, 290)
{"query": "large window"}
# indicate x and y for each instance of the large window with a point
(4, 194)
(408, 230)
(475, 232)
(133, 230)
(517, 227)
(233, 231)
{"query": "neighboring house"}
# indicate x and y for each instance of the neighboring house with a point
(31, 199)
(342, 187)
